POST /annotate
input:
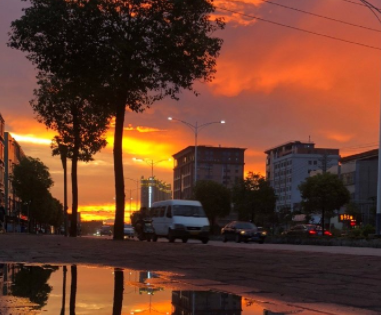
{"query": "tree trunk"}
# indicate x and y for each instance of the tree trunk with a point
(73, 289)
(118, 291)
(118, 171)
(74, 192)
(74, 174)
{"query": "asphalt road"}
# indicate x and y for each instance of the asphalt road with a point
(325, 280)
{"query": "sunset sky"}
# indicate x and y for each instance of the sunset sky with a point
(281, 76)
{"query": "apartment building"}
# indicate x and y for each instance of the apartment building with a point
(359, 174)
(220, 164)
(289, 164)
(13, 154)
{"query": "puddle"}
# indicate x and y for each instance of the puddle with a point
(77, 289)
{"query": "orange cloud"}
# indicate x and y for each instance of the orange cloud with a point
(337, 136)
(141, 129)
(235, 12)
(30, 138)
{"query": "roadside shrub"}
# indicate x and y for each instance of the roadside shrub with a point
(362, 232)
(336, 232)
(368, 229)
(355, 233)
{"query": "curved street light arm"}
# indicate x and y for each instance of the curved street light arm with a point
(210, 123)
(193, 127)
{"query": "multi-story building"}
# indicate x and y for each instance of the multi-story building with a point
(153, 190)
(359, 174)
(220, 164)
(289, 164)
(13, 155)
(2, 161)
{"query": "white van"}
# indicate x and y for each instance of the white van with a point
(181, 219)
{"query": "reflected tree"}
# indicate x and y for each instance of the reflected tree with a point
(31, 282)
(63, 290)
(118, 291)
(73, 289)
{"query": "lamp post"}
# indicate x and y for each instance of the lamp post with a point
(150, 162)
(196, 128)
(137, 190)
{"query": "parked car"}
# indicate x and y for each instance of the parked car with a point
(106, 230)
(262, 230)
(307, 230)
(129, 231)
(241, 231)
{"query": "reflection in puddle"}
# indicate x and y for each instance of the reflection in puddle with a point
(37, 289)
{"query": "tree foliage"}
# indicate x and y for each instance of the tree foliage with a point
(322, 194)
(254, 199)
(214, 197)
(31, 181)
(81, 126)
(131, 52)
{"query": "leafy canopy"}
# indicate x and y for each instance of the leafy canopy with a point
(254, 199)
(214, 197)
(121, 53)
(323, 192)
(140, 50)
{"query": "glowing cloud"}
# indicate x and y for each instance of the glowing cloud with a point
(141, 129)
(31, 139)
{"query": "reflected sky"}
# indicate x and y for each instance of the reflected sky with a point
(72, 289)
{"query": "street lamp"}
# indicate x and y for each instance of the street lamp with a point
(196, 128)
(137, 190)
(150, 162)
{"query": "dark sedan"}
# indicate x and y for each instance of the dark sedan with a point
(241, 231)
(307, 230)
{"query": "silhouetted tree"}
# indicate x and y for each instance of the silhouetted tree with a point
(31, 282)
(322, 194)
(62, 107)
(31, 181)
(214, 197)
(254, 199)
(134, 52)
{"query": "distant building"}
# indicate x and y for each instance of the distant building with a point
(13, 155)
(153, 190)
(289, 164)
(220, 164)
(359, 174)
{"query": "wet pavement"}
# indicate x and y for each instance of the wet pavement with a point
(286, 279)
(81, 289)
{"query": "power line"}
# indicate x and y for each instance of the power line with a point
(301, 30)
(353, 2)
(321, 16)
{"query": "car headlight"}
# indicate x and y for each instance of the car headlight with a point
(205, 228)
(243, 232)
